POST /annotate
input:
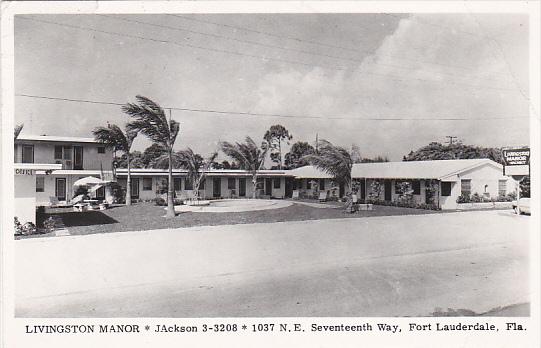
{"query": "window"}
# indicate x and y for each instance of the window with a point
(177, 182)
(28, 153)
(277, 183)
(465, 187)
(40, 184)
(322, 184)
(502, 187)
(188, 184)
(67, 152)
(445, 189)
(231, 184)
(147, 184)
(58, 152)
(308, 184)
(101, 149)
(416, 187)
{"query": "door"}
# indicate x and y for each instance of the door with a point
(289, 187)
(242, 187)
(216, 187)
(135, 188)
(342, 190)
(268, 186)
(363, 189)
(78, 157)
(60, 189)
(388, 188)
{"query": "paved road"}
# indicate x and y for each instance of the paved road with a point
(379, 266)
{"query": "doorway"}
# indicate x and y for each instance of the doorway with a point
(388, 190)
(60, 189)
(217, 187)
(242, 187)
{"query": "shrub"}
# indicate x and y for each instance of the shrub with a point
(49, 224)
(476, 198)
(160, 201)
(463, 199)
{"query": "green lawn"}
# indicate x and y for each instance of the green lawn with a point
(147, 216)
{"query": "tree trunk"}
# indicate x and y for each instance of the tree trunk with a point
(128, 181)
(254, 184)
(279, 154)
(170, 189)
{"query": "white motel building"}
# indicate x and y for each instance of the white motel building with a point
(46, 168)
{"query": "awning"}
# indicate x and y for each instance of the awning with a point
(89, 180)
(95, 188)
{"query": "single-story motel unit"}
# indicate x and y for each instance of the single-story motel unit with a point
(47, 166)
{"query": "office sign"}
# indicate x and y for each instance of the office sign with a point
(20, 171)
(516, 161)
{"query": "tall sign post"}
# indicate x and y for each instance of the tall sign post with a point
(516, 165)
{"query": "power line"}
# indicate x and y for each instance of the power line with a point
(314, 42)
(242, 113)
(287, 48)
(179, 44)
(388, 76)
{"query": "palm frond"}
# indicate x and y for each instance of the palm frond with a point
(149, 119)
(112, 136)
(333, 160)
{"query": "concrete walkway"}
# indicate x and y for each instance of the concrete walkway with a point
(234, 205)
(382, 266)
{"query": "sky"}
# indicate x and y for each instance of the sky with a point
(383, 82)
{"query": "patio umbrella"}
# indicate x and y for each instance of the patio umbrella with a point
(89, 180)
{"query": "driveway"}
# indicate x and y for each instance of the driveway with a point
(378, 266)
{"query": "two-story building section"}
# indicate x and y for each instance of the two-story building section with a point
(78, 158)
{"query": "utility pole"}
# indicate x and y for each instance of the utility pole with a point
(317, 145)
(450, 137)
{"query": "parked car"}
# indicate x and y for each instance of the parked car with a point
(524, 206)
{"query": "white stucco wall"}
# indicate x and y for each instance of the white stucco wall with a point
(25, 199)
(44, 153)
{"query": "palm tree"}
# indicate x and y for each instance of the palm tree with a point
(333, 160)
(248, 155)
(112, 136)
(150, 119)
(197, 168)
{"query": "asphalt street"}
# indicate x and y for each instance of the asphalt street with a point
(378, 266)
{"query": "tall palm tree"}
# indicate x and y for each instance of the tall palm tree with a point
(197, 169)
(248, 155)
(112, 136)
(150, 119)
(333, 160)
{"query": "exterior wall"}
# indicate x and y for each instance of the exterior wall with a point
(44, 153)
(481, 177)
(449, 202)
(25, 199)
(43, 198)
(206, 193)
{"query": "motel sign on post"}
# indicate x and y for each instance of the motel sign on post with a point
(516, 162)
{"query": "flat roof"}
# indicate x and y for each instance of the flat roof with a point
(54, 138)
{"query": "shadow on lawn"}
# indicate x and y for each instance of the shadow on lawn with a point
(87, 218)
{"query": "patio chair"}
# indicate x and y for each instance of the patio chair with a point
(323, 196)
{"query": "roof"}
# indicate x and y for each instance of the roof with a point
(309, 172)
(54, 138)
(441, 169)
(37, 166)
